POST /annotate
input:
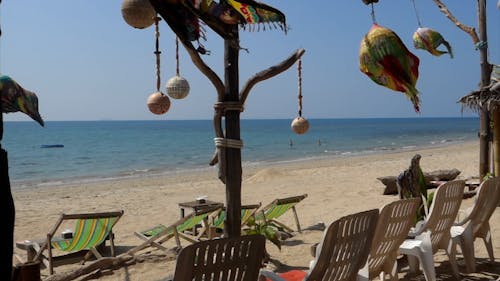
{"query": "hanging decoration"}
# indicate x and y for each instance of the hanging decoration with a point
(158, 103)
(428, 39)
(300, 125)
(254, 13)
(184, 17)
(138, 13)
(17, 99)
(387, 61)
(177, 86)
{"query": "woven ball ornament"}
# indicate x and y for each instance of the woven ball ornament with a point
(138, 13)
(177, 87)
(158, 103)
(300, 125)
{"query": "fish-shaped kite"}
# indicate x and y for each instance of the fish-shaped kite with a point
(428, 39)
(16, 99)
(387, 61)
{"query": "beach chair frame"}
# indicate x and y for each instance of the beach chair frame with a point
(176, 230)
(217, 219)
(266, 213)
(41, 245)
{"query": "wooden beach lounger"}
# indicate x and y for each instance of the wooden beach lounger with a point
(157, 235)
(91, 230)
(275, 209)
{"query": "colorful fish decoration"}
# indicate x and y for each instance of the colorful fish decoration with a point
(255, 13)
(184, 16)
(16, 99)
(387, 61)
(428, 39)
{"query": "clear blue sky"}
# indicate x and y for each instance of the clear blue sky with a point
(86, 63)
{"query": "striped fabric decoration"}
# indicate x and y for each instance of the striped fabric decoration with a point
(88, 233)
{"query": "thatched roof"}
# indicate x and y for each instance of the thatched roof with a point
(488, 98)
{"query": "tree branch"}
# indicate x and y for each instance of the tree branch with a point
(269, 73)
(205, 69)
(162, 9)
(470, 30)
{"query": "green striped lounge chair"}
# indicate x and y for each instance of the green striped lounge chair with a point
(157, 235)
(91, 230)
(277, 208)
(216, 222)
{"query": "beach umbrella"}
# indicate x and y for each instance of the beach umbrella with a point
(17, 99)
(385, 59)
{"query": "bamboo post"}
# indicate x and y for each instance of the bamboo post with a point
(485, 132)
(481, 44)
(232, 226)
(496, 141)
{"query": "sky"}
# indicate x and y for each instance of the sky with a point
(85, 63)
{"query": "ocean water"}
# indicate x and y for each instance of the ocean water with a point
(96, 150)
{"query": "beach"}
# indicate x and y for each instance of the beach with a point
(336, 187)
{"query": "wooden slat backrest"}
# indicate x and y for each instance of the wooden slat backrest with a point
(344, 247)
(225, 259)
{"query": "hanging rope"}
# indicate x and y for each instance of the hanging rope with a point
(157, 52)
(299, 70)
(177, 55)
(416, 13)
(373, 14)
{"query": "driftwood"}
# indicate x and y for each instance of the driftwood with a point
(438, 175)
(409, 181)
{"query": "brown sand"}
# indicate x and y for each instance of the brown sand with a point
(336, 187)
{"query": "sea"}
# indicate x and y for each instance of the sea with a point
(105, 150)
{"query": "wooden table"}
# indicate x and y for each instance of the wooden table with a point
(196, 206)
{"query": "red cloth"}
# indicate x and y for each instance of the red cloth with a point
(292, 275)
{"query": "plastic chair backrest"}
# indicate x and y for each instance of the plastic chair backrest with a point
(443, 211)
(345, 247)
(394, 222)
(487, 199)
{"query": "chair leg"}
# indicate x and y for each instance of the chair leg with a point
(451, 251)
(112, 243)
(427, 264)
(49, 250)
(363, 273)
(489, 246)
(296, 219)
(485, 233)
(467, 245)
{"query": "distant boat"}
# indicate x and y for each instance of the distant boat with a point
(51, 145)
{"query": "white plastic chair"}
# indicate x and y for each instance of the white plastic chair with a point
(342, 251)
(434, 232)
(476, 223)
(394, 222)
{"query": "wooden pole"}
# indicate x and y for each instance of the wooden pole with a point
(232, 227)
(485, 132)
(496, 141)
